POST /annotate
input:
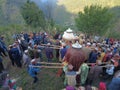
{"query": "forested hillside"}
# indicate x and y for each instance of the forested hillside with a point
(74, 6)
(10, 12)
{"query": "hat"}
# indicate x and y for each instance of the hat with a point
(77, 45)
(89, 43)
(96, 49)
(63, 44)
(48, 43)
(10, 46)
(108, 49)
(33, 61)
(26, 51)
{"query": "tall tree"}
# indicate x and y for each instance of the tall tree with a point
(33, 15)
(95, 20)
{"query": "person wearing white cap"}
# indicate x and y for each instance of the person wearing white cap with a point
(26, 58)
(33, 70)
(88, 44)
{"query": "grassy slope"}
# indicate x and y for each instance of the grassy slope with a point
(75, 6)
(47, 77)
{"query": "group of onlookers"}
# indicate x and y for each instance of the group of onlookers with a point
(28, 49)
(101, 65)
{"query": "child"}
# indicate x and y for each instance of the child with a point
(70, 76)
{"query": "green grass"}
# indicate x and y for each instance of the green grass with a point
(48, 79)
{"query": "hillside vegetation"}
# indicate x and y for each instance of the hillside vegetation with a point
(10, 12)
(64, 10)
(74, 6)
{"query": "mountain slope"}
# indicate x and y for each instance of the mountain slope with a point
(10, 12)
(75, 6)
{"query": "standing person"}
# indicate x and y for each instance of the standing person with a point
(93, 56)
(109, 70)
(49, 52)
(36, 52)
(10, 54)
(2, 51)
(94, 72)
(114, 84)
(18, 45)
(63, 51)
(46, 39)
(33, 70)
(16, 56)
(83, 71)
(3, 43)
(24, 44)
(1, 65)
(26, 58)
(57, 50)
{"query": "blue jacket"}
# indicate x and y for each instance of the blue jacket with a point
(32, 70)
(63, 52)
(93, 57)
(15, 53)
(115, 84)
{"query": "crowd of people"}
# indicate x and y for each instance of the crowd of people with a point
(102, 63)
(100, 66)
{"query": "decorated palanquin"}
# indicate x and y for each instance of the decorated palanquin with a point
(75, 56)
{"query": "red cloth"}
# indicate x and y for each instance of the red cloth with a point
(75, 57)
(102, 86)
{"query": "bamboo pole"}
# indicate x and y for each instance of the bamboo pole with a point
(50, 63)
(61, 63)
(48, 66)
(60, 66)
(95, 63)
(50, 45)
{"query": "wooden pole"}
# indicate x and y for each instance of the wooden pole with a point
(48, 66)
(50, 63)
(50, 45)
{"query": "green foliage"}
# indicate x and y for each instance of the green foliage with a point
(9, 12)
(94, 20)
(33, 15)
